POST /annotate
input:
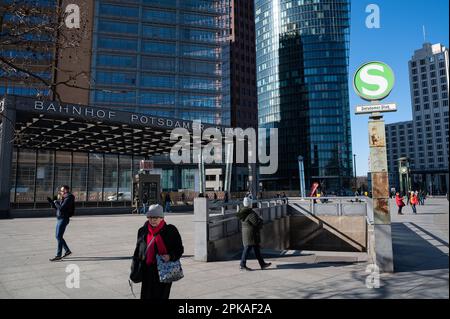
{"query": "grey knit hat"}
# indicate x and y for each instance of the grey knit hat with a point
(155, 211)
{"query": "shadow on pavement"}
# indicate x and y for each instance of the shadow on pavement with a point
(312, 266)
(96, 258)
(413, 253)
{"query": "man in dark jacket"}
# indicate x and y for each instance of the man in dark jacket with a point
(65, 208)
(251, 237)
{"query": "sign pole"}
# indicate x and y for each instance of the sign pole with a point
(384, 258)
(374, 82)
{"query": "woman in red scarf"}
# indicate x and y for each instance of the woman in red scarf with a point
(157, 237)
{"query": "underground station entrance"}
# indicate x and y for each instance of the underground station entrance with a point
(96, 151)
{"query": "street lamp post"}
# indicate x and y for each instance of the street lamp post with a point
(354, 174)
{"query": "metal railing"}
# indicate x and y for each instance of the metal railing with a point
(344, 206)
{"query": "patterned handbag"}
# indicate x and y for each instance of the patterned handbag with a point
(169, 271)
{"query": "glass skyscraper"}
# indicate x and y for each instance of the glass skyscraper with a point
(163, 57)
(302, 77)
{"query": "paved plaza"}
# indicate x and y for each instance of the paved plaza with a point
(102, 246)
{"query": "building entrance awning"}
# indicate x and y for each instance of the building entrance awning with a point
(70, 127)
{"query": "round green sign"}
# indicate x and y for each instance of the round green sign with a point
(374, 81)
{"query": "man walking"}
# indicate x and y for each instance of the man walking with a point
(251, 234)
(65, 208)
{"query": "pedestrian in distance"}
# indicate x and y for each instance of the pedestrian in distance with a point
(285, 198)
(65, 208)
(399, 202)
(251, 234)
(414, 201)
(408, 198)
(156, 238)
(144, 203)
(422, 197)
(167, 201)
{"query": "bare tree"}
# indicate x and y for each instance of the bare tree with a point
(34, 37)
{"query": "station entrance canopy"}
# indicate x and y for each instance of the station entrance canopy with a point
(52, 125)
(39, 124)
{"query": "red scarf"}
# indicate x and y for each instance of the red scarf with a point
(151, 252)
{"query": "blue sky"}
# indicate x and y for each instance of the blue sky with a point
(394, 43)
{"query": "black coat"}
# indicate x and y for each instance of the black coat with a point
(65, 208)
(251, 226)
(170, 236)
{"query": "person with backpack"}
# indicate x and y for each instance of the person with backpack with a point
(65, 208)
(156, 238)
(251, 234)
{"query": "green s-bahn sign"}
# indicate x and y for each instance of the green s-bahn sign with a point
(374, 81)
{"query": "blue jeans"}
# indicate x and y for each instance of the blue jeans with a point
(167, 209)
(257, 255)
(414, 209)
(61, 225)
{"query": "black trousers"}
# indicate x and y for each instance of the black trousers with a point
(151, 287)
(246, 252)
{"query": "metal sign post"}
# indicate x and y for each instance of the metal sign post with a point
(374, 82)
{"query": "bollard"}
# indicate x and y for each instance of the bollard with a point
(201, 226)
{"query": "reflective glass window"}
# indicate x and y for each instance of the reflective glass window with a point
(111, 177)
(199, 35)
(199, 84)
(44, 175)
(115, 78)
(25, 176)
(158, 81)
(158, 64)
(119, 11)
(117, 44)
(117, 27)
(201, 67)
(154, 15)
(159, 48)
(157, 98)
(157, 32)
(189, 100)
(95, 178)
(79, 176)
(198, 19)
(120, 61)
(125, 177)
(200, 51)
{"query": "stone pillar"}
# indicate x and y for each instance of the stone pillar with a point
(380, 193)
(201, 227)
(7, 126)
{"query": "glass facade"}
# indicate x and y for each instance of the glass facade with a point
(95, 178)
(166, 58)
(302, 79)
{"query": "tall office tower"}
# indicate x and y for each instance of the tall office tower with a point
(244, 101)
(429, 80)
(302, 79)
(163, 57)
